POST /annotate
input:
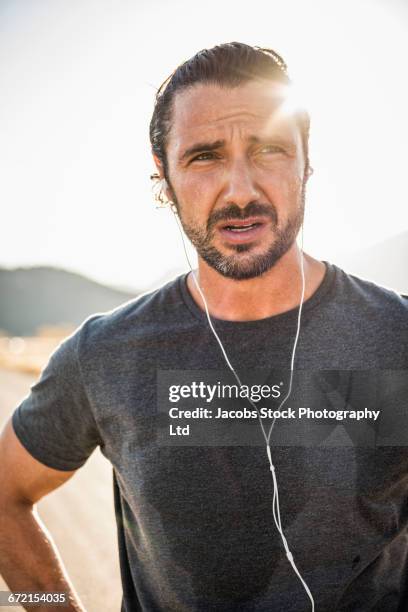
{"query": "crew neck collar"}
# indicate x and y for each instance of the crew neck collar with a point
(279, 319)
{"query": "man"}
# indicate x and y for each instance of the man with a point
(195, 524)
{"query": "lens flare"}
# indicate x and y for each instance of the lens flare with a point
(293, 100)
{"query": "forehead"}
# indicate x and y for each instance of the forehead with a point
(212, 111)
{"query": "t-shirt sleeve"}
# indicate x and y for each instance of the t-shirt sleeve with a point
(55, 422)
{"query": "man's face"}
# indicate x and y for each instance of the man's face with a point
(236, 171)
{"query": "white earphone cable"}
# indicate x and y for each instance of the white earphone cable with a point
(275, 501)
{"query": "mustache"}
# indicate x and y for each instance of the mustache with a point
(235, 212)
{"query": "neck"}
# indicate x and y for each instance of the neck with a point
(276, 291)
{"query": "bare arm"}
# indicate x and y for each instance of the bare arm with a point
(29, 560)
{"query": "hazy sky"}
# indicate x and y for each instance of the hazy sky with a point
(79, 79)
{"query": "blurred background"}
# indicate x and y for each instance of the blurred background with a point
(80, 232)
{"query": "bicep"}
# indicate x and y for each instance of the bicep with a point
(23, 478)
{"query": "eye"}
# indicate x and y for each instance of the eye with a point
(205, 156)
(270, 149)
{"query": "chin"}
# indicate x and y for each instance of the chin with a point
(238, 268)
(244, 263)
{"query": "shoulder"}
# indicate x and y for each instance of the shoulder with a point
(370, 298)
(371, 317)
(363, 324)
(148, 313)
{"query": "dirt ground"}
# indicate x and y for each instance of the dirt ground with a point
(79, 516)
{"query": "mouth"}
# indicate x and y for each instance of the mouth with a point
(242, 230)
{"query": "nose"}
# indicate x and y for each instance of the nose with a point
(240, 186)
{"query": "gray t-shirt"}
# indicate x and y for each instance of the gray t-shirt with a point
(195, 526)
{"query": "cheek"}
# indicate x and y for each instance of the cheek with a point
(195, 194)
(295, 187)
(285, 188)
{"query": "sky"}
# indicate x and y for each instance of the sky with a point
(78, 81)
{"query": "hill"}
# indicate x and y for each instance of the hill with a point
(34, 297)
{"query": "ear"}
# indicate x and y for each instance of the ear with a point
(309, 171)
(164, 193)
(159, 166)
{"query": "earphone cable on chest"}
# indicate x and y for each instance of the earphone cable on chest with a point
(267, 436)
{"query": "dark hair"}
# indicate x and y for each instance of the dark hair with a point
(228, 64)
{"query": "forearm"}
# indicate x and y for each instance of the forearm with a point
(29, 560)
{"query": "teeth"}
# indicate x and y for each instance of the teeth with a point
(241, 228)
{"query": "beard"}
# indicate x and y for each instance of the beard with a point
(242, 264)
